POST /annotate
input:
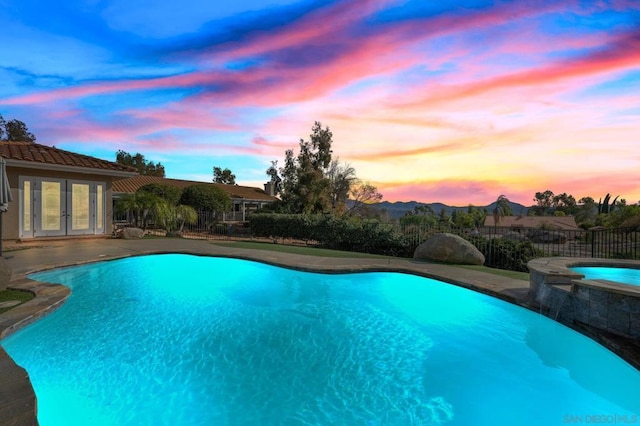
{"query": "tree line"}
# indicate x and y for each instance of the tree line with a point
(607, 212)
(313, 182)
(473, 217)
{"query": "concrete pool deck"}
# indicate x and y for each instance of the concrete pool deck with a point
(17, 400)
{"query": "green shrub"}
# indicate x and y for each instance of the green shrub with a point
(206, 197)
(274, 225)
(505, 254)
(362, 236)
(350, 234)
(169, 193)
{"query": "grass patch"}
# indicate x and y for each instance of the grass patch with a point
(22, 296)
(314, 251)
(502, 272)
(305, 251)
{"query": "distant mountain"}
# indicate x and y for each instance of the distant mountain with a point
(399, 208)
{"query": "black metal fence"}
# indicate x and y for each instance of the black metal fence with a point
(208, 226)
(614, 243)
(511, 248)
(502, 247)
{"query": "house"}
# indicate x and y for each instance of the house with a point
(566, 223)
(245, 199)
(57, 192)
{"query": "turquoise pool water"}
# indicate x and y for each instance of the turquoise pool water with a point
(187, 340)
(622, 275)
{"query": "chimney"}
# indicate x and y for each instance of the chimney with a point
(269, 188)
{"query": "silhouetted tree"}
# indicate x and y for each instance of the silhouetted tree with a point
(223, 176)
(341, 179)
(363, 193)
(305, 187)
(311, 182)
(274, 177)
(138, 162)
(15, 131)
(544, 202)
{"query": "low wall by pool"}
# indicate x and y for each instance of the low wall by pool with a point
(568, 297)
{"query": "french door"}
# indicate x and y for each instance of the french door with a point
(56, 207)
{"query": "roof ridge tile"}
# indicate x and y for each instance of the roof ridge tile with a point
(35, 152)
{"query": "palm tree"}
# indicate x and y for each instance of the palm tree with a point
(501, 209)
(141, 205)
(147, 207)
(177, 216)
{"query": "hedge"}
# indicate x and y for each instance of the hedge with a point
(350, 234)
(353, 234)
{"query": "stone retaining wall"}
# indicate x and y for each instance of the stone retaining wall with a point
(566, 296)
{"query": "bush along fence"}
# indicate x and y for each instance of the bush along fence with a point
(207, 226)
(387, 238)
(509, 248)
(347, 234)
(504, 248)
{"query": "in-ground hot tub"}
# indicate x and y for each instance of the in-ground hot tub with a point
(606, 301)
(622, 275)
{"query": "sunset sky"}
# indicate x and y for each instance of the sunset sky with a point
(450, 101)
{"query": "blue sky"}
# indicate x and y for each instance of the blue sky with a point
(457, 102)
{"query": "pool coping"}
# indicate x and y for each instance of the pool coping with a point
(51, 296)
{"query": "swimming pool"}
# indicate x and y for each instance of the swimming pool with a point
(629, 276)
(187, 340)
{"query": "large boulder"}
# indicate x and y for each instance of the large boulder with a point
(449, 248)
(132, 233)
(5, 273)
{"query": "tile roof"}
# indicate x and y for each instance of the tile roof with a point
(37, 153)
(557, 222)
(132, 184)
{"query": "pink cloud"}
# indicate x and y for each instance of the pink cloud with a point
(316, 25)
(623, 55)
(187, 114)
(453, 192)
(272, 147)
(360, 57)
(482, 192)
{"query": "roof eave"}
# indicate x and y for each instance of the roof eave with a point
(65, 168)
(250, 200)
